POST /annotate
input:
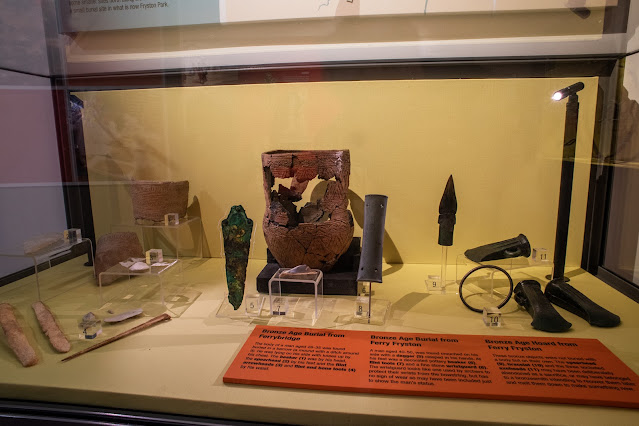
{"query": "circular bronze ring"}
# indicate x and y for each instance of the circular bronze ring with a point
(461, 284)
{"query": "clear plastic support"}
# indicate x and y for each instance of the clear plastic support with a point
(540, 257)
(253, 304)
(464, 265)
(435, 285)
(178, 237)
(444, 265)
(485, 287)
(171, 219)
(72, 236)
(154, 256)
(45, 259)
(293, 305)
(158, 289)
(252, 307)
(369, 310)
(492, 317)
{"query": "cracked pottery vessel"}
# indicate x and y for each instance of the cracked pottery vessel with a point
(319, 232)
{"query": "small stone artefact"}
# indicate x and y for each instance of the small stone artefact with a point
(301, 272)
(236, 231)
(90, 326)
(124, 316)
(139, 267)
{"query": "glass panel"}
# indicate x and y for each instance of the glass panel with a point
(161, 115)
(622, 243)
(178, 35)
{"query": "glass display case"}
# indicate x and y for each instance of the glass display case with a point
(166, 115)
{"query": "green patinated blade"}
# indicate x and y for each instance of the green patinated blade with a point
(236, 230)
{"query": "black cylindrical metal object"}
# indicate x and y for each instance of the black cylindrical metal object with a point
(370, 264)
(565, 187)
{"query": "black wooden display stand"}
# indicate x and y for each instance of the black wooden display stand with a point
(341, 280)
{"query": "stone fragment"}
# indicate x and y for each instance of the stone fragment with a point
(139, 267)
(301, 272)
(236, 231)
(124, 316)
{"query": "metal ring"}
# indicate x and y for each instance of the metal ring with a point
(461, 283)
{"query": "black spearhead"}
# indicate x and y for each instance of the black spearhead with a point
(447, 212)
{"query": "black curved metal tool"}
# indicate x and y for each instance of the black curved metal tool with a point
(566, 296)
(513, 247)
(545, 318)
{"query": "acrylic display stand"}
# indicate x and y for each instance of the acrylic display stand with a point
(492, 292)
(170, 237)
(435, 285)
(340, 280)
(464, 264)
(379, 309)
(45, 259)
(252, 307)
(306, 309)
(156, 290)
(539, 257)
(492, 317)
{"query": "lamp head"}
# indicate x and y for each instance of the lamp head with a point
(567, 91)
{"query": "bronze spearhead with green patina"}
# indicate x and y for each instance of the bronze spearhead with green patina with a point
(236, 230)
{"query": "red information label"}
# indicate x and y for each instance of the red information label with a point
(556, 370)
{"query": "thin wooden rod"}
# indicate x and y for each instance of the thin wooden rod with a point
(149, 323)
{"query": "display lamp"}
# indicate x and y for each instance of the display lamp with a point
(567, 172)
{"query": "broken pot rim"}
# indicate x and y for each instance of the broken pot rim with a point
(156, 182)
(295, 151)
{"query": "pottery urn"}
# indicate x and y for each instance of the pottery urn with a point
(319, 232)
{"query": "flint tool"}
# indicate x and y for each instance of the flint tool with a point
(370, 264)
(545, 318)
(124, 316)
(447, 220)
(513, 247)
(566, 296)
(143, 326)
